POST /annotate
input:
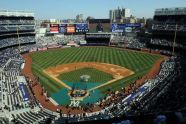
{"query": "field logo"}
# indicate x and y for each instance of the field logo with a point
(74, 102)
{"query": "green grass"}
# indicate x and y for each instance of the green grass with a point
(95, 75)
(138, 62)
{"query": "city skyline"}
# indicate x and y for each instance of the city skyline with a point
(68, 9)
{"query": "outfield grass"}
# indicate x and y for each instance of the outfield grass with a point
(96, 76)
(138, 62)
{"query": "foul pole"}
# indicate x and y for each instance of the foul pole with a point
(19, 47)
(174, 42)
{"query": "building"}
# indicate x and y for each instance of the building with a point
(119, 14)
(141, 20)
(79, 18)
(130, 19)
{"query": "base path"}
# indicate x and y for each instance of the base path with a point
(116, 71)
(57, 80)
(107, 83)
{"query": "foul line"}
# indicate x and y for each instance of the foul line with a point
(107, 83)
(59, 81)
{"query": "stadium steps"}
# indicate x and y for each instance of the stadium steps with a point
(22, 120)
(33, 116)
(25, 118)
(33, 119)
(3, 121)
(47, 114)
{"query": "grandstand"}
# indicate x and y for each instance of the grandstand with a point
(169, 28)
(16, 27)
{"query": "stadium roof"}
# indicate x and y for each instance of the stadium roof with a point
(16, 13)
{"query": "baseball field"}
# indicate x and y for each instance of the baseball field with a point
(109, 68)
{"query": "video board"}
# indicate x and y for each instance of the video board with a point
(70, 28)
(99, 25)
(82, 27)
(54, 28)
(62, 28)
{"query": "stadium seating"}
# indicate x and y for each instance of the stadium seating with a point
(60, 40)
(121, 103)
(14, 41)
(126, 41)
(117, 104)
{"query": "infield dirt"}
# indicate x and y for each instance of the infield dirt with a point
(116, 71)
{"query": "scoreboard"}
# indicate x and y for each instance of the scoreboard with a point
(73, 28)
(99, 25)
(128, 27)
(82, 27)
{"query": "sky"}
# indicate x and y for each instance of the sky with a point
(68, 9)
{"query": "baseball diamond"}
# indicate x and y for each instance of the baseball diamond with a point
(110, 68)
(67, 62)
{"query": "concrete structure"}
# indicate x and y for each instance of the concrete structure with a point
(79, 18)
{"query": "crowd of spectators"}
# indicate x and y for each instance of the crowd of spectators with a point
(126, 41)
(8, 25)
(17, 21)
(75, 38)
(15, 28)
(169, 27)
(9, 53)
(15, 41)
(47, 40)
(172, 96)
(168, 43)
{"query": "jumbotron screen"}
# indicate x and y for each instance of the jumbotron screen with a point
(82, 27)
(70, 28)
(63, 28)
(54, 28)
(99, 25)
